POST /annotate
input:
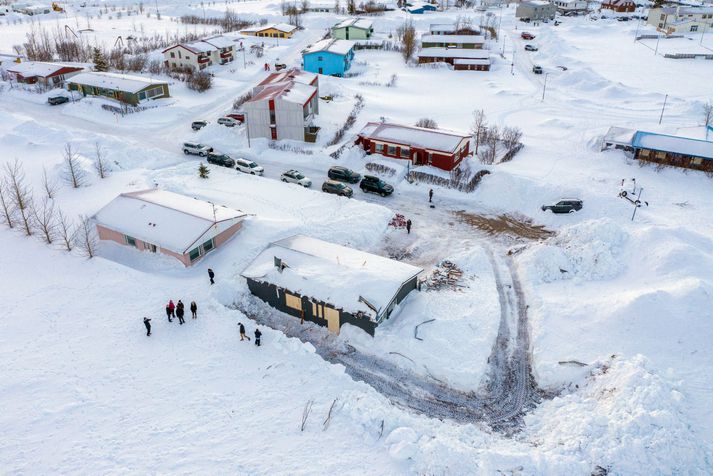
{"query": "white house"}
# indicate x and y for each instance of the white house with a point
(571, 6)
(200, 54)
(681, 19)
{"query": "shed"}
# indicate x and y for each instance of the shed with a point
(330, 56)
(330, 284)
(165, 222)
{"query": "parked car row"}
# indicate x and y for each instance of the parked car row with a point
(229, 120)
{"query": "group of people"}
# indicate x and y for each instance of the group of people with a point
(174, 311)
(258, 334)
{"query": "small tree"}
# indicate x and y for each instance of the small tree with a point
(408, 40)
(200, 81)
(66, 231)
(511, 137)
(427, 123)
(20, 195)
(86, 238)
(6, 205)
(203, 171)
(100, 62)
(48, 184)
(708, 116)
(490, 141)
(100, 163)
(44, 219)
(479, 126)
(73, 172)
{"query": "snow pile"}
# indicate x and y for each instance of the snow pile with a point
(625, 419)
(589, 250)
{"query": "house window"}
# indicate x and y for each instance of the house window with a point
(644, 152)
(173, 54)
(379, 148)
(660, 155)
(194, 254)
(179, 54)
(405, 152)
(130, 240)
(318, 310)
(208, 245)
(694, 27)
(663, 17)
(149, 246)
(293, 301)
(697, 161)
(392, 150)
(320, 58)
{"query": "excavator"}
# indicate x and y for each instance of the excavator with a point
(57, 8)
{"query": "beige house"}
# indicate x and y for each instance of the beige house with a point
(164, 222)
(681, 19)
(200, 54)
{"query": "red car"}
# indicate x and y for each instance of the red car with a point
(240, 117)
(527, 36)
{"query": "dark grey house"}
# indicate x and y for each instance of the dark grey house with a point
(330, 284)
(536, 10)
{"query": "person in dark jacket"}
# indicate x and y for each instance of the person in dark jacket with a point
(211, 275)
(179, 313)
(408, 226)
(172, 308)
(430, 195)
(194, 309)
(258, 334)
(147, 323)
(168, 313)
(242, 332)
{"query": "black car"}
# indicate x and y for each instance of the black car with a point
(221, 159)
(566, 205)
(56, 100)
(198, 125)
(374, 184)
(343, 174)
(337, 188)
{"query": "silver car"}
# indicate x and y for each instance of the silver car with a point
(196, 149)
(294, 176)
(249, 167)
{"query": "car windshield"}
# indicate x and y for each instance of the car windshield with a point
(200, 146)
(252, 165)
(340, 185)
(298, 176)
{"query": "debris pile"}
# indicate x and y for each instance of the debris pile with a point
(399, 221)
(445, 275)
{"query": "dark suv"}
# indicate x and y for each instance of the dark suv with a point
(56, 100)
(337, 188)
(374, 184)
(220, 159)
(566, 205)
(343, 174)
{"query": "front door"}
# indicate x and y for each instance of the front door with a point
(320, 71)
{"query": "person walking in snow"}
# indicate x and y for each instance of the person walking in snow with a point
(172, 308)
(430, 196)
(211, 275)
(242, 332)
(168, 313)
(147, 323)
(408, 226)
(258, 334)
(179, 313)
(194, 309)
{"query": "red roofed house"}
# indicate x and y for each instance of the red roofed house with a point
(621, 6)
(50, 74)
(421, 146)
(283, 106)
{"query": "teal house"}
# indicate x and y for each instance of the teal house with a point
(331, 57)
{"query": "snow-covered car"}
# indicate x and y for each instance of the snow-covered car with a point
(565, 205)
(227, 121)
(198, 125)
(195, 148)
(295, 176)
(249, 167)
(530, 48)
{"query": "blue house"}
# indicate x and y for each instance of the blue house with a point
(420, 8)
(331, 57)
(673, 150)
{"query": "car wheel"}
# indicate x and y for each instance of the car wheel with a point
(252, 173)
(383, 194)
(572, 210)
(185, 151)
(201, 154)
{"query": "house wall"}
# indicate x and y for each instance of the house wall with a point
(471, 67)
(325, 62)
(536, 12)
(418, 156)
(258, 118)
(624, 8)
(351, 33)
(268, 33)
(290, 120)
(696, 23)
(675, 160)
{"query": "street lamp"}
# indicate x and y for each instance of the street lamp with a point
(544, 87)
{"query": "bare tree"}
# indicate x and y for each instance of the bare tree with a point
(20, 195)
(100, 163)
(427, 123)
(66, 230)
(86, 238)
(6, 205)
(479, 126)
(48, 184)
(44, 219)
(407, 34)
(708, 116)
(73, 172)
(490, 142)
(511, 137)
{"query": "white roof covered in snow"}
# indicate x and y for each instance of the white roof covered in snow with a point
(199, 47)
(298, 93)
(472, 61)
(285, 27)
(30, 69)
(166, 219)
(537, 3)
(117, 82)
(465, 53)
(442, 27)
(362, 23)
(220, 41)
(678, 145)
(331, 273)
(339, 47)
(452, 39)
(432, 139)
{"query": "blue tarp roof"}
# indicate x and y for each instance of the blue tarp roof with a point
(674, 144)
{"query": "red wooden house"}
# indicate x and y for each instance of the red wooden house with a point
(621, 6)
(50, 74)
(421, 146)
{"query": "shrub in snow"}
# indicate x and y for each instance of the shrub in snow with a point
(200, 81)
(203, 171)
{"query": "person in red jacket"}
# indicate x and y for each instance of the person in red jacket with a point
(172, 308)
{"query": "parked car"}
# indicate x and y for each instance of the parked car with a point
(374, 184)
(337, 188)
(294, 176)
(227, 121)
(249, 167)
(238, 116)
(221, 159)
(530, 48)
(343, 174)
(565, 205)
(196, 149)
(527, 36)
(57, 100)
(198, 125)
(537, 69)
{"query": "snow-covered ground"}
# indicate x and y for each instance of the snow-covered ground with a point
(619, 311)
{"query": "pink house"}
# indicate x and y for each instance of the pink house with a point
(159, 221)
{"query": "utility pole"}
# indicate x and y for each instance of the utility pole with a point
(512, 65)
(662, 108)
(244, 64)
(247, 127)
(544, 87)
